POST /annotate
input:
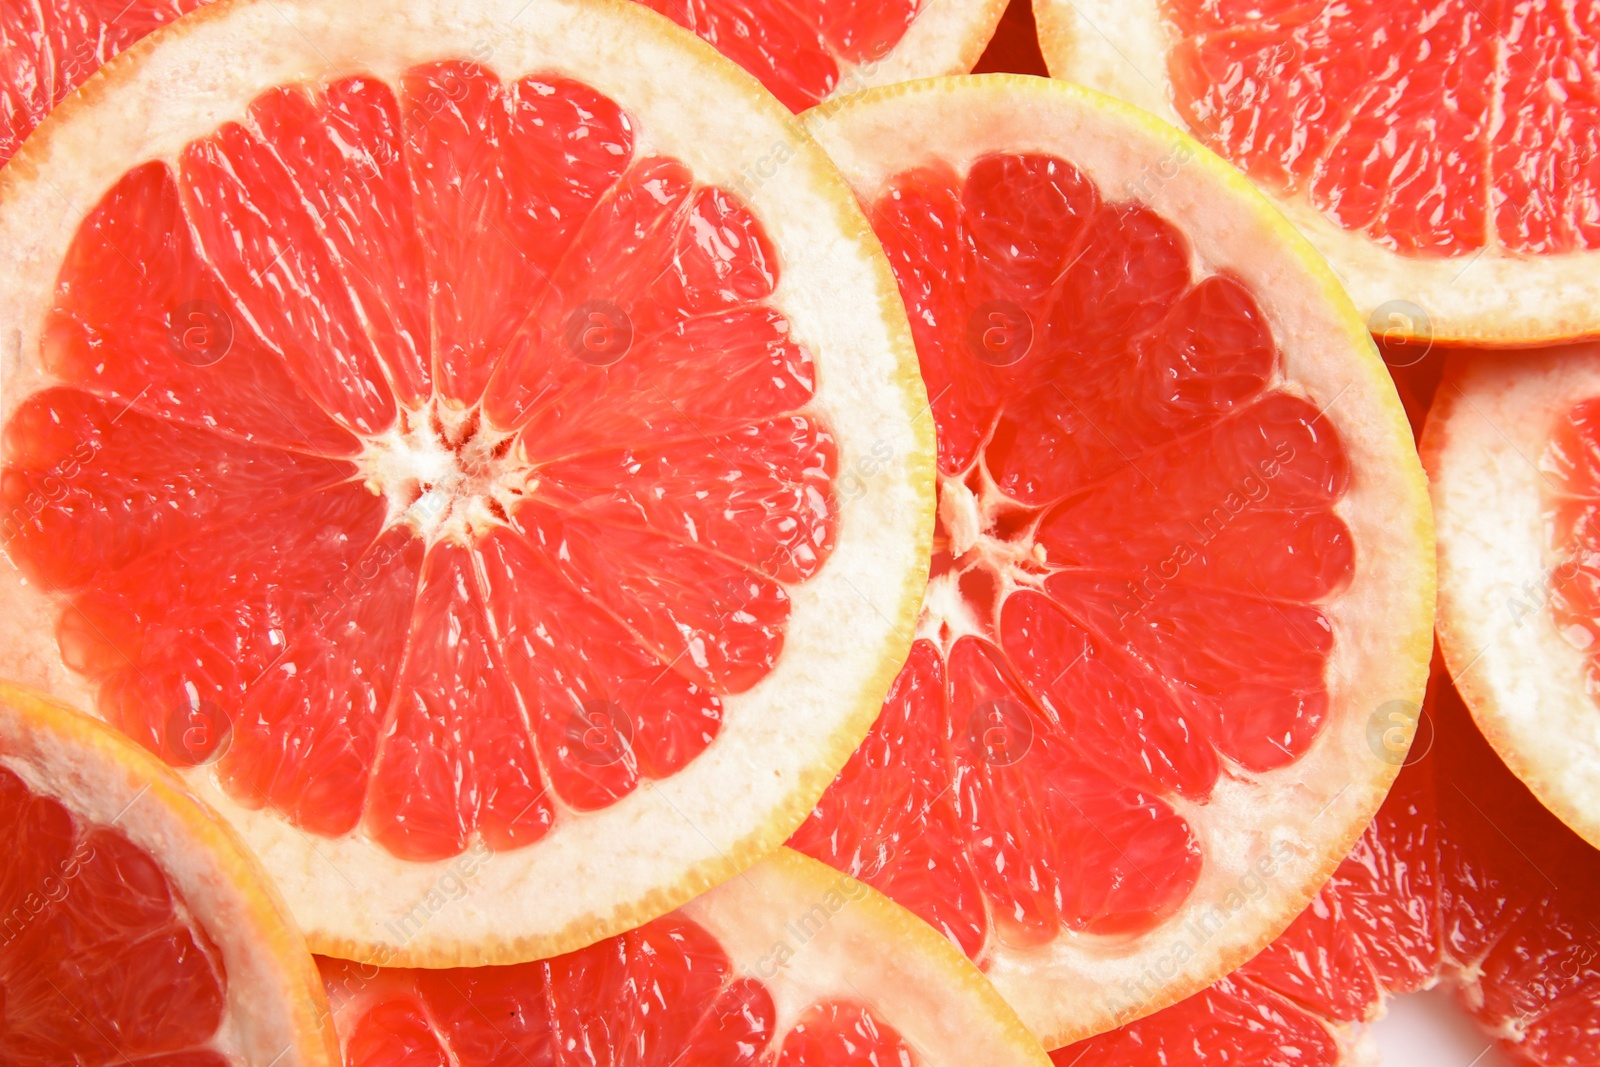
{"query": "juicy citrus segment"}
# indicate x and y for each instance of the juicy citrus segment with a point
(167, 992)
(1571, 497)
(1441, 155)
(133, 926)
(48, 49)
(437, 457)
(1092, 520)
(1404, 156)
(1463, 878)
(703, 1010)
(805, 52)
(1516, 605)
(802, 52)
(1156, 561)
(788, 965)
(796, 50)
(628, 541)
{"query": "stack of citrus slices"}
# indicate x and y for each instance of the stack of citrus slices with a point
(507, 476)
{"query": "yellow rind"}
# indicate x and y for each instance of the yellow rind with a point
(914, 465)
(1119, 46)
(894, 925)
(1477, 662)
(271, 929)
(1408, 639)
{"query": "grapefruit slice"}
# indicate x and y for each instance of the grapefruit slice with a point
(791, 964)
(1464, 880)
(134, 926)
(1442, 156)
(801, 50)
(1183, 554)
(1511, 450)
(807, 51)
(49, 47)
(460, 468)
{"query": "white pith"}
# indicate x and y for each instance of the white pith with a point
(808, 933)
(1310, 812)
(1525, 682)
(1491, 297)
(783, 740)
(946, 37)
(275, 1012)
(446, 473)
(969, 523)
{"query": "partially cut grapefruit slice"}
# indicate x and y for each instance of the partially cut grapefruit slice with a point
(1513, 452)
(806, 51)
(1464, 880)
(134, 925)
(461, 467)
(1183, 556)
(1441, 155)
(802, 50)
(791, 964)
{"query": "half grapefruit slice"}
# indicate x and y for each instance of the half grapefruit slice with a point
(134, 925)
(791, 964)
(1513, 452)
(1464, 880)
(1441, 155)
(1183, 556)
(462, 468)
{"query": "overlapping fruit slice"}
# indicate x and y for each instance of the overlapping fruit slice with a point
(1463, 879)
(1183, 554)
(807, 51)
(1513, 451)
(789, 965)
(443, 466)
(134, 926)
(1441, 154)
(801, 51)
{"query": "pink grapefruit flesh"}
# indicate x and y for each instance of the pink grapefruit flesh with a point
(333, 618)
(1463, 879)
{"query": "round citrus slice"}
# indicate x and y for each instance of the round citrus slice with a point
(1462, 880)
(1441, 155)
(1183, 553)
(134, 926)
(801, 50)
(791, 964)
(463, 468)
(1513, 452)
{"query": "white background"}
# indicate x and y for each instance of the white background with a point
(1428, 1030)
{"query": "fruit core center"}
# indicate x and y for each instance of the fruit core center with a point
(983, 549)
(445, 472)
